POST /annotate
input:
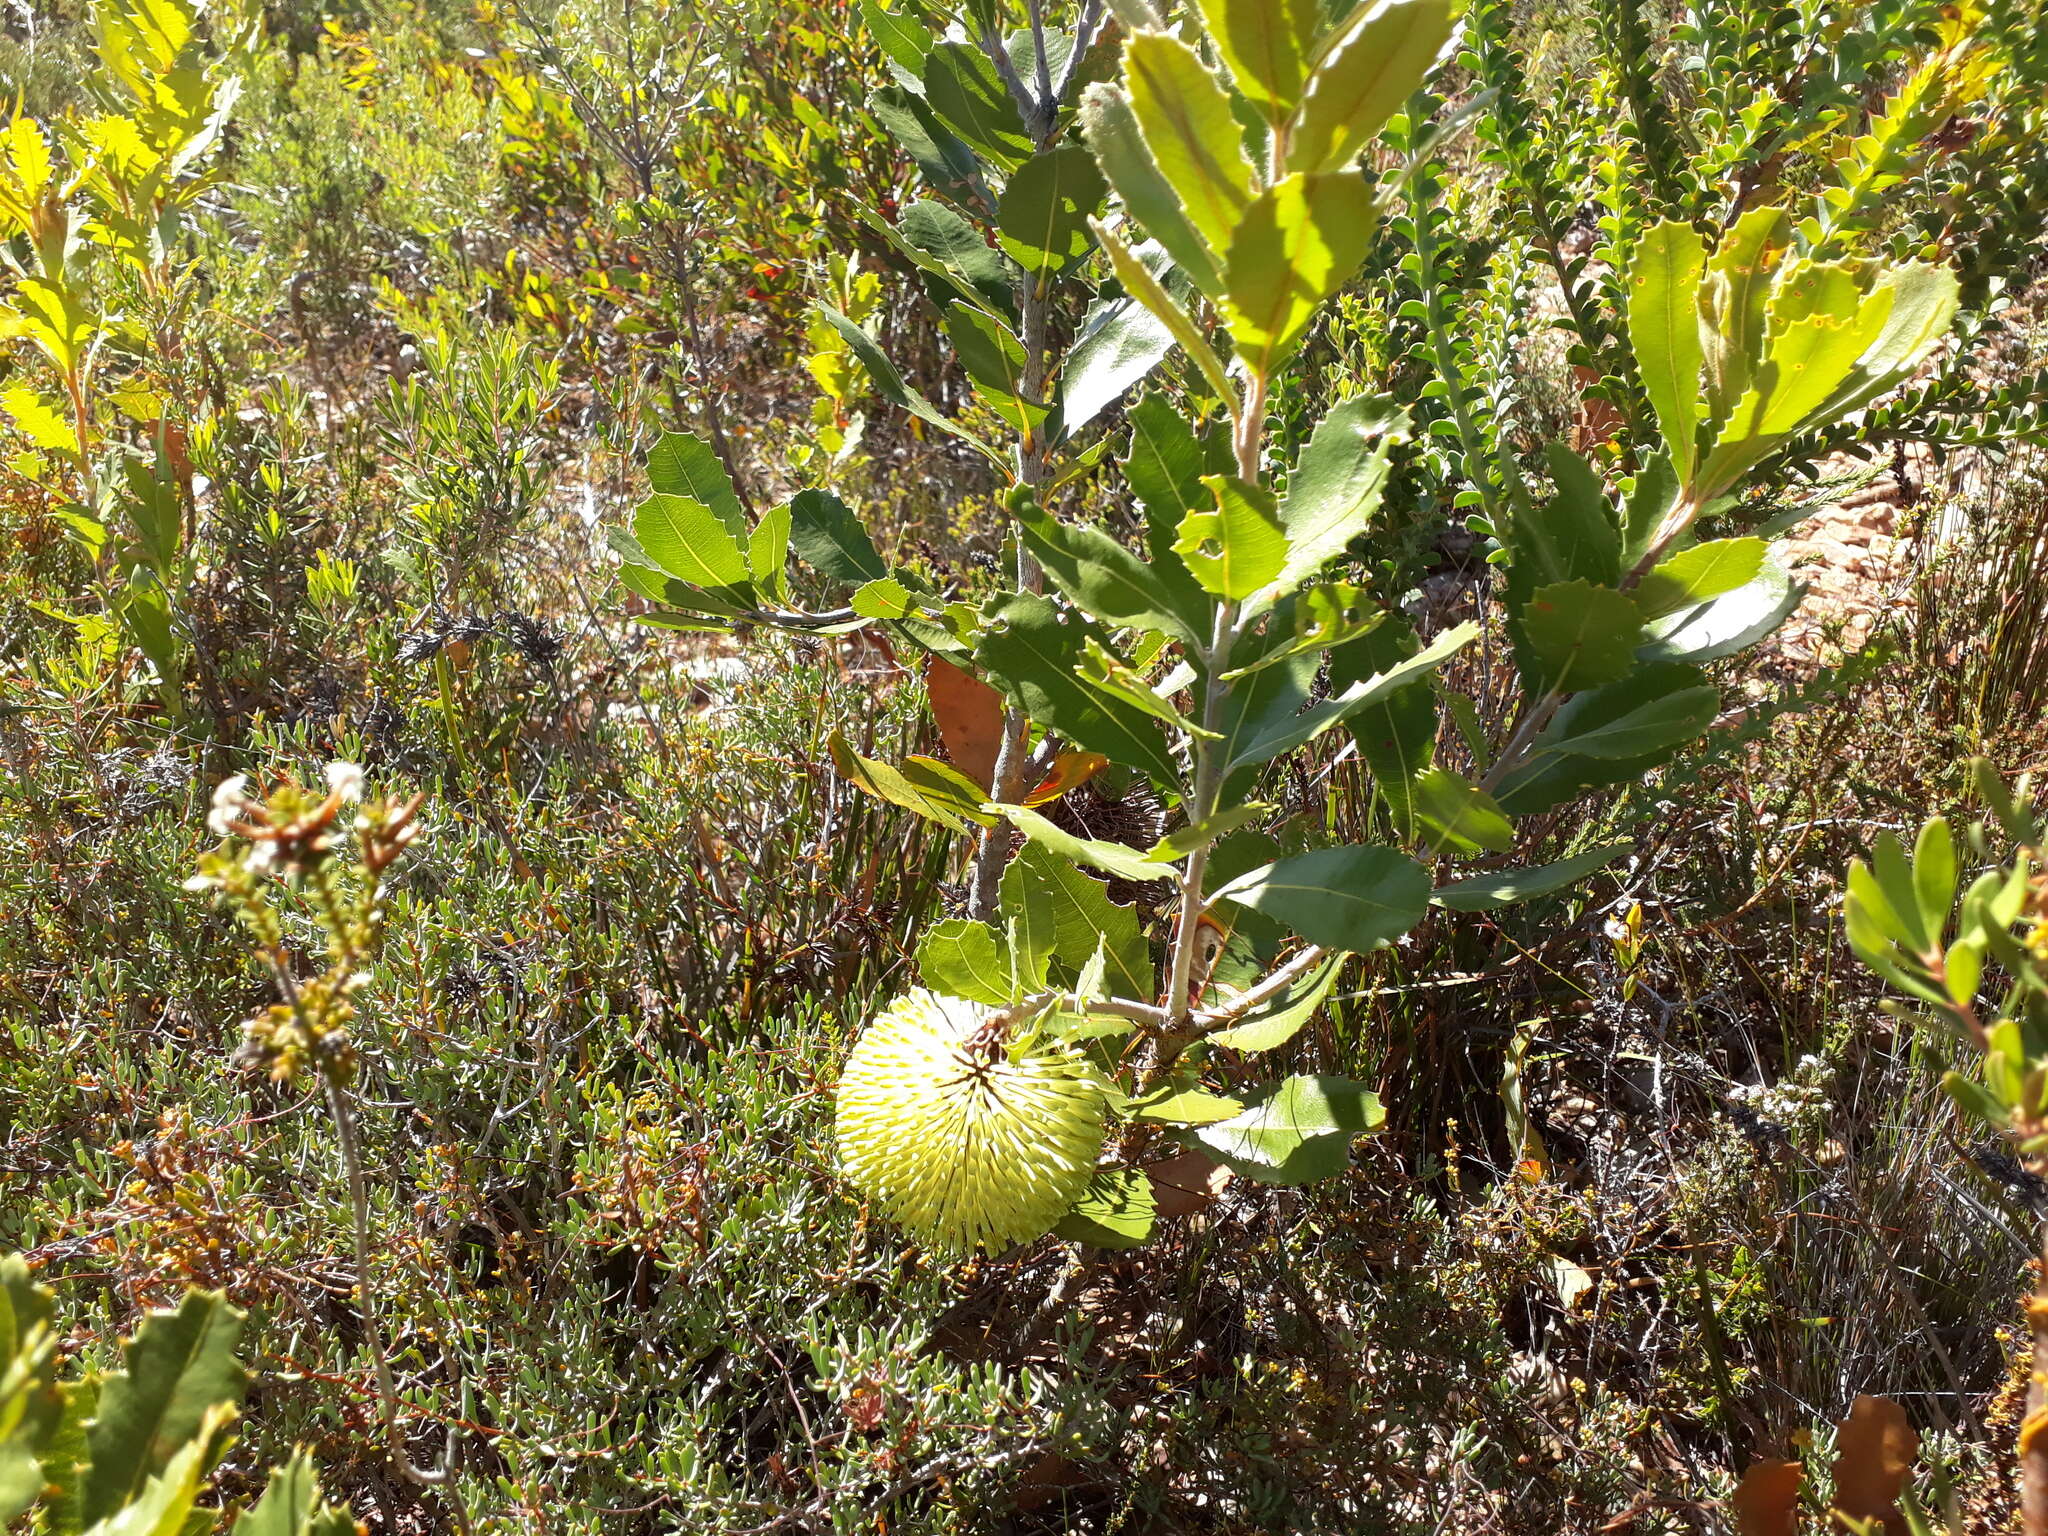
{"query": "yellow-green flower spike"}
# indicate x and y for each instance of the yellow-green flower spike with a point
(961, 1135)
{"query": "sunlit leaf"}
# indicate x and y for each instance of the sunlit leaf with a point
(1239, 546)
(1120, 149)
(1372, 64)
(1184, 115)
(1663, 326)
(1117, 1210)
(1296, 244)
(934, 790)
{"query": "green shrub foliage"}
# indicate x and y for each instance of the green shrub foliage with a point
(1208, 191)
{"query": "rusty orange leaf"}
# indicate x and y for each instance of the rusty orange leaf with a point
(1875, 1447)
(1766, 1501)
(1069, 770)
(970, 719)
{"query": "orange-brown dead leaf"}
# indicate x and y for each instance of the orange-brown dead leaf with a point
(1766, 1501)
(970, 719)
(1598, 419)
(1875, 1447)
(1070, 770)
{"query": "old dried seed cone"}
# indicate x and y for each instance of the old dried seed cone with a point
(963, 1137)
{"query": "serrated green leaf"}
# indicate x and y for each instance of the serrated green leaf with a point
(1297, 242)
(683, 464)
(1554, 772)
(1458, 814)
(1923, 306)
(1663, 325)
(40, 421)
(1282, 1016)
(1031, 651)
(1184, 115)
(1120, 342)
(1337, 484)
(1108, 673)
(925, 786)
(1177, 845)
(963, 88)
(1571, 536)
(1733, 296)
(1325, 618)
(1377, 58)
(291, 1505)
(1104, 579)
(1699, 574)
(903, 42)
(689, 541)
(1396, 731)
(1164, 464)
(885, 598)
(947, 164)
(1287, 732)
(939, 234)
(994, 359)
(768, 553)
(963, 958)
(890, 383)
(1807, 361)
(1181, 1106)
(1580, 635)
(1726, 624)
(55, 318)
(162, 1504)
(1084, 922)
(1142, 284)
(831, 541)
(1264, 44)
(1118, 144)
(1296, 1131)
(1237, 547)
(31, 1403)
(1112, 858)
(65, 1455)
(1651, 727)
(181, 1371)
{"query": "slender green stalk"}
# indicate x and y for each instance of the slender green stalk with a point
(1248, 438)
(1034, 308)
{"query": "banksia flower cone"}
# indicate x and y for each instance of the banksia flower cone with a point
(961, 1135)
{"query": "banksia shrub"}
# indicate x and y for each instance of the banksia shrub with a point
(961, 1132)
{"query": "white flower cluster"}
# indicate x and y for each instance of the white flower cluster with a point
(1798, 1101)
